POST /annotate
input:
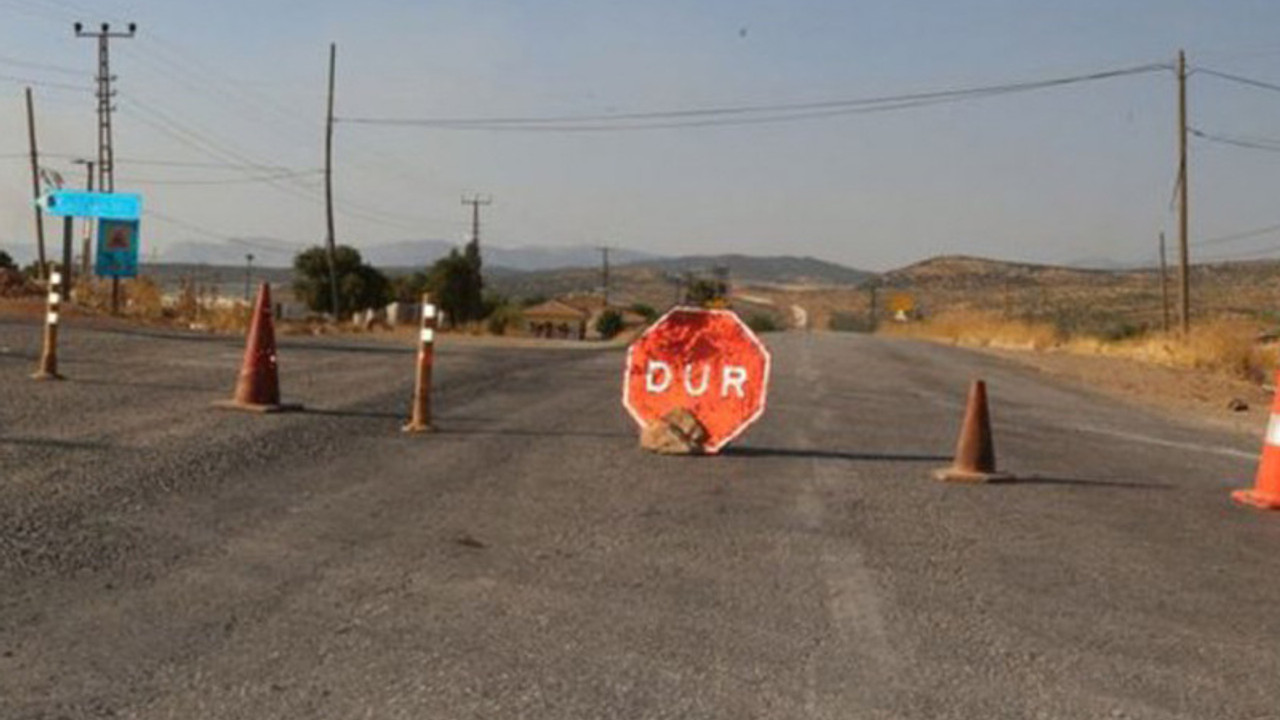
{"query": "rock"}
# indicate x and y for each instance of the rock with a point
(466, 539)
(1237, 405)
(677, 433)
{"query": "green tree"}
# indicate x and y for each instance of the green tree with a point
(475, 286)
(645, 311)
(6, 261)
(609, 324)
(409, 288)
(450, 280)
(360, 285)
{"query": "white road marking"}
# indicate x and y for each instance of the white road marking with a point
(1196, 447)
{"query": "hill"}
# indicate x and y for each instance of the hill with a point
(779, 269)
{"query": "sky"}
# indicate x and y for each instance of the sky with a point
(220, 124)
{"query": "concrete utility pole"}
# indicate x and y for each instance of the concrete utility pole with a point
(1164, 284)
(475, 201)
(106, 152)
(604, 272)
(330, 241)
(35, 186)
(1183, 259)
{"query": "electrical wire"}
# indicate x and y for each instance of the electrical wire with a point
(221, 181)
(1237, 236)
(1239, 79)
(42, 66)
(742, 114)
(278, 246)
(1238, 141)
(49, 84)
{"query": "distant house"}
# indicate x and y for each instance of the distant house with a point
(556, 319)
(594, 306)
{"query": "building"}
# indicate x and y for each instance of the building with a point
(556, 319)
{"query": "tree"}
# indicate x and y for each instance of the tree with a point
(409, 288)
(609, 324)
(450, 280)
(475, 288)
(645, 311)
(360, 285)
(6, 261)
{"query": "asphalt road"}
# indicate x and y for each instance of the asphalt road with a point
(161, 559)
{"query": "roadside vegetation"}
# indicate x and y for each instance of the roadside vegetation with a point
(1231, 347)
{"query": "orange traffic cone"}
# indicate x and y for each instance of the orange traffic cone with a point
(258, 387)
(1266, 489)
(975, 450)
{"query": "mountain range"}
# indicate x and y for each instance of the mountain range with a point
(417, 254)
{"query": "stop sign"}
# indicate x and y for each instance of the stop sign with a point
(705, 361)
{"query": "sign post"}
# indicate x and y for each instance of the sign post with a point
(707, 363)
(118, 215)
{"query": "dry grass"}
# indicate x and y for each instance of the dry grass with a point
(977, 328)
(1228, 347)
(143, 299)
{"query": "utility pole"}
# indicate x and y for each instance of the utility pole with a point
(106, 152)
(475, 292)
(35, 186)
(1164, 284)
(475, 201)
(1183, 260)
(330, 242)
(604, 271)
(872, 321)
(248, 273)
(87, 232)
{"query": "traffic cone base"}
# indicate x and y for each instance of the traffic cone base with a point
(957, 475)
(256, 408)
(1266, 501)
(975, 459)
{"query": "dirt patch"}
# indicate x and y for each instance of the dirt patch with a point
(1192, 394)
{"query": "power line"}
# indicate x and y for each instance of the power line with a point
(50, 84)
(1238, 141)
(1243, 235)
(222, 181)
(743, 114)
(279, 246)
(1240, 79)
(40, 66)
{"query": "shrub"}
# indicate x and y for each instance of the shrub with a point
(609, 324)
(761, 323)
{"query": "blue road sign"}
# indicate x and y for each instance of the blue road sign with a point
(117, 248)
(117, 206)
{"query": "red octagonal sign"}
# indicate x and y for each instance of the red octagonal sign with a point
(706, 361)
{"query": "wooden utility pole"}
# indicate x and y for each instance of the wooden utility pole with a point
(873, 322)
(604, 257)
(1184, 271)
(87, 223)
(35, 186)
(1164, 284)
(330, 242)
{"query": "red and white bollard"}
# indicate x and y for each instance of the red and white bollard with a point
(48, 369)
(420, 415)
